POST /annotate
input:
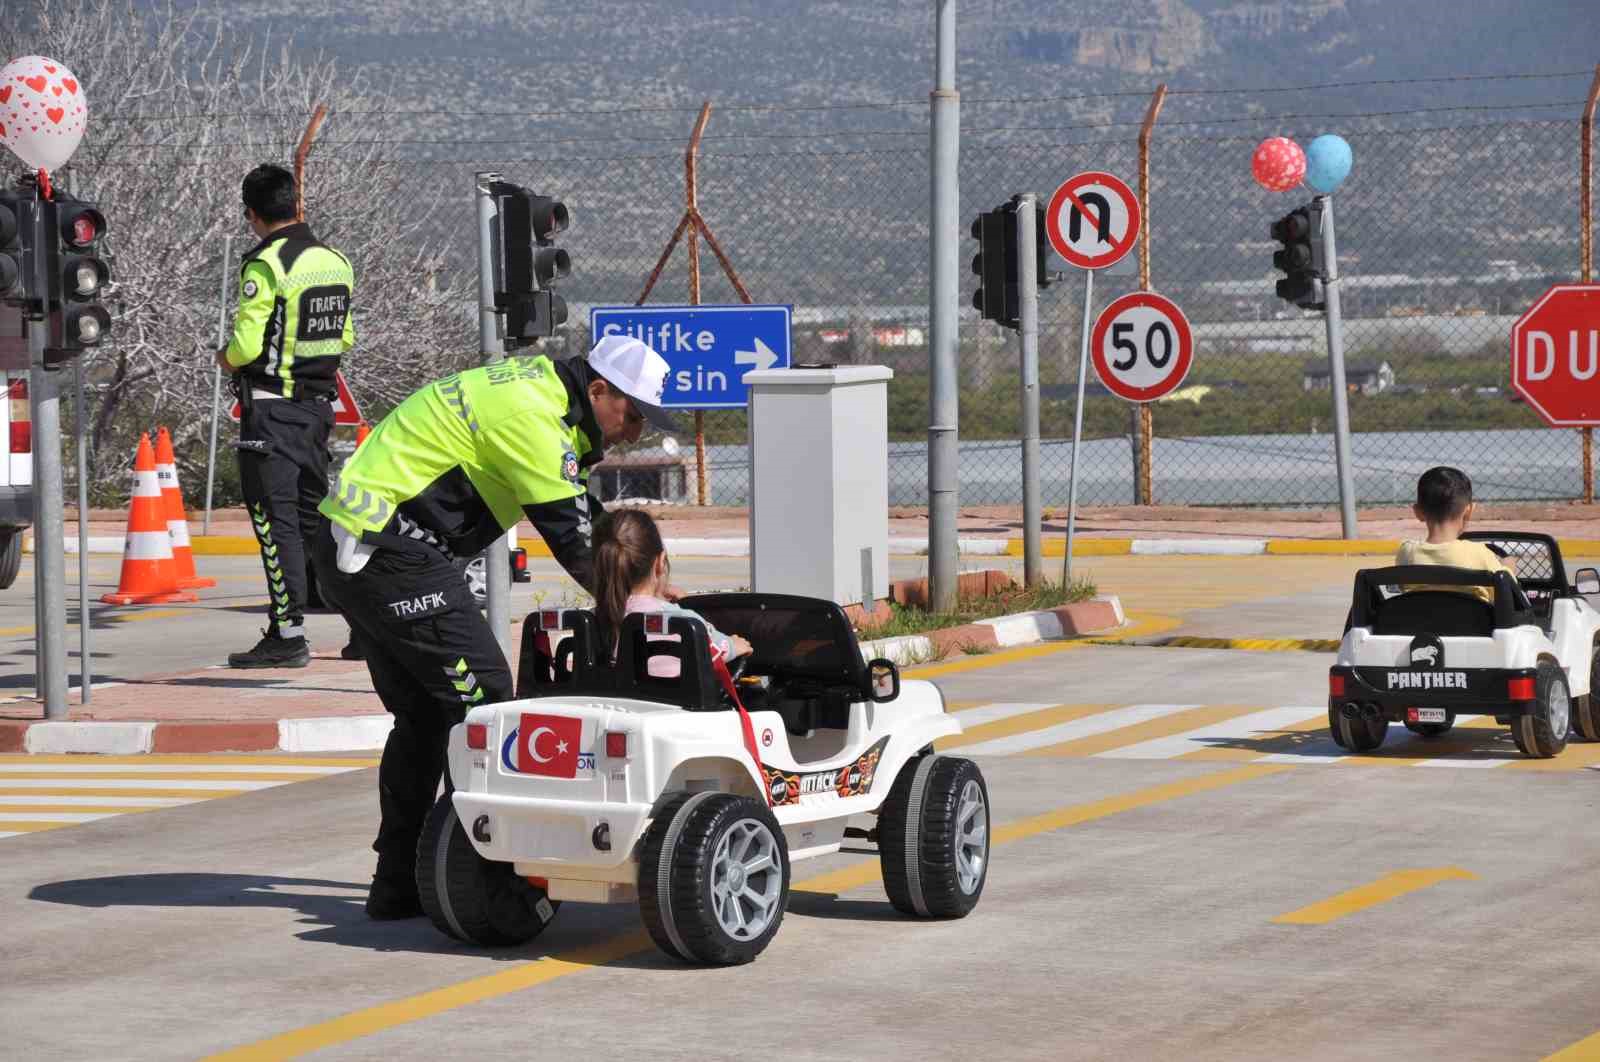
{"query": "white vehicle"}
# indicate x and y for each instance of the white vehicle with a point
(1420, 657)
(643, 782)
(16, 444)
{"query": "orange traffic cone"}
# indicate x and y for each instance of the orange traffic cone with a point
(362, 432)
(148, 574)
(177, 520)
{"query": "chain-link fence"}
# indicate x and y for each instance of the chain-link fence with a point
(1445, 236)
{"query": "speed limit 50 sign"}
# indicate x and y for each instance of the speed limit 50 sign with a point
(1141, 346)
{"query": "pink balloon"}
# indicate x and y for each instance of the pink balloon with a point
(1278, 164)
(43, 112)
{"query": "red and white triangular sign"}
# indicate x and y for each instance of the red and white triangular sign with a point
(345, 410)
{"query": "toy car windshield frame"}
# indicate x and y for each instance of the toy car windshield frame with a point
(794, 638)
(1511, 606)
(1546, 574)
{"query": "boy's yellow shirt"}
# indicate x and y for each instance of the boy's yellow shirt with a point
(1457, 553)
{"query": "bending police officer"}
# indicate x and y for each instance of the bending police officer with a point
(446, 474)
(292, 328)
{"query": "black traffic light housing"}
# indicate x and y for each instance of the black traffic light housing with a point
(1300, 258)
(998, 264)
(15, 221)
(50, 267)
(526, 262)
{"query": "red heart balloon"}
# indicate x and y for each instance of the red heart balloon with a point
(72, 86)
(55, 114)
(49, 69)
(5, 93)
(56, 89)
(35, 83)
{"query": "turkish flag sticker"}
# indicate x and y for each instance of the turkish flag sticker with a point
(548, 745)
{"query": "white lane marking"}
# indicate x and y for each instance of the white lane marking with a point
(988, 713)
(1088, 726)
(1446, 762)
(222, 785)
(12, 768)
(56, 816)
(12, 833)
(1257, 725)
(131, 803)
(1322, 750)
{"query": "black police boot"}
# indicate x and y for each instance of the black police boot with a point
(274, 651)
(390, 899)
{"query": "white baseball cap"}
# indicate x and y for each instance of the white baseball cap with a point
(632, 367)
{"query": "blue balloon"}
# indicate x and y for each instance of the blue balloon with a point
(1328, 162)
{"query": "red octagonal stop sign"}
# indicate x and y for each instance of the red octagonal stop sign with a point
(1555, 356)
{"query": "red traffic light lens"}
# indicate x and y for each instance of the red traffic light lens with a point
(84, 230)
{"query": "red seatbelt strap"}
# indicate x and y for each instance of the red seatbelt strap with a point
(726, 678)
(541, 645)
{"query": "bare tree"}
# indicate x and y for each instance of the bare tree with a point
(180, 109)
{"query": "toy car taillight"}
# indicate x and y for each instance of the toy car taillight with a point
(617, 744)
(655, 623)
(550, 619)
(1520, 689)
(477, 735)
(1335, 685)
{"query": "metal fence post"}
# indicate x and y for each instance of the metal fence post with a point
(1027, 275)
(1341, 407)
(1586, 246)
(497, 565)
(1142, 412)
(944, 455)
(216, 378)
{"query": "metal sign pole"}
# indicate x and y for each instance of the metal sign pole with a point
(49, 526)
(216, 377)
(1027, 276)
(85, 668)
(1077, 424)
(1341, 408)
(944, 455)
(497, 566)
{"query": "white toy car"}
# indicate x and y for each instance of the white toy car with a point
(625, 784)
(1531, 659)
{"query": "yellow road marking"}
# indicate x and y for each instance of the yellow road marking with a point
(1577, 756)
(1585, 1050)
(1384, 889)
(1310, 645)
(1331, 546)
(33, 827)
(1166, 726)
(76, 790)
(1018, 724)
(1267, 743)
(121, 617)
(87, 809)
(387, 1015)
(1144, 623)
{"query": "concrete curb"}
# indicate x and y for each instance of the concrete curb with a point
(360, 733)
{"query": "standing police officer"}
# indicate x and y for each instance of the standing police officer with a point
(447, 473)
(292, 327)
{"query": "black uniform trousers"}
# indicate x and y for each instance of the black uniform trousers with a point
(432, 655)
(283, 470)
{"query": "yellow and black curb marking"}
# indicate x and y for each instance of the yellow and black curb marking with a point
(1273, 645)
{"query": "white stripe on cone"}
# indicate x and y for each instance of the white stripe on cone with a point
(148, 546)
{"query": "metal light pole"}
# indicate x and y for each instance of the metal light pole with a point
(1341, 409)
(497, 566)
(1027, 276)
(944, 457)
(85, 667)
(216, 377)
(49, 526)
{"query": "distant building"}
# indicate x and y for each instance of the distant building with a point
(1368, 379)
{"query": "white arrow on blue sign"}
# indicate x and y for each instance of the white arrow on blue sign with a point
(709, 348)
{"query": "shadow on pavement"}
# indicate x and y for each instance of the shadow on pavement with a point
(829, 905)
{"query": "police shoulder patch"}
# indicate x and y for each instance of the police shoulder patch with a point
(250, 289)
(569, 467)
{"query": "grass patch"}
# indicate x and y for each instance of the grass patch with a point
(911, 620)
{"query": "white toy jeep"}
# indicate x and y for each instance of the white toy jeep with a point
(1420, 657)
(618, 784)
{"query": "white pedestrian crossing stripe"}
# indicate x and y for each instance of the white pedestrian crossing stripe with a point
(1293, 734)
(40, 793)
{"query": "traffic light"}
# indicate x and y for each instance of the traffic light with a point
(527, 262)
(78, 279)
(13, 215)
(1300, 257)
(997, 298)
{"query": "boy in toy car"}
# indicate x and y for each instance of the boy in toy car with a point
(1444, 505)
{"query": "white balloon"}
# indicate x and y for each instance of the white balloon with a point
(43, 111)
(670, 445)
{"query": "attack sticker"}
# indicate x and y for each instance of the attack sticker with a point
(787, 787)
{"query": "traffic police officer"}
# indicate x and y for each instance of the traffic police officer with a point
(292, 327)
(447, 473)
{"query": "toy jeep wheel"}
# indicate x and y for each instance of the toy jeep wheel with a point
(1586, 709)
(472, 898)
(1360, 734)
(1542, 733)
(933, 837)
(1434, 729)
(713, 878)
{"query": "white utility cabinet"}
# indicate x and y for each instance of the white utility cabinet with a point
(819, 482)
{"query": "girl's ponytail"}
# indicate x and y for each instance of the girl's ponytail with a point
(626, 545)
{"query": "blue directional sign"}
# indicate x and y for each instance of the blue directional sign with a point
(709, 348)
